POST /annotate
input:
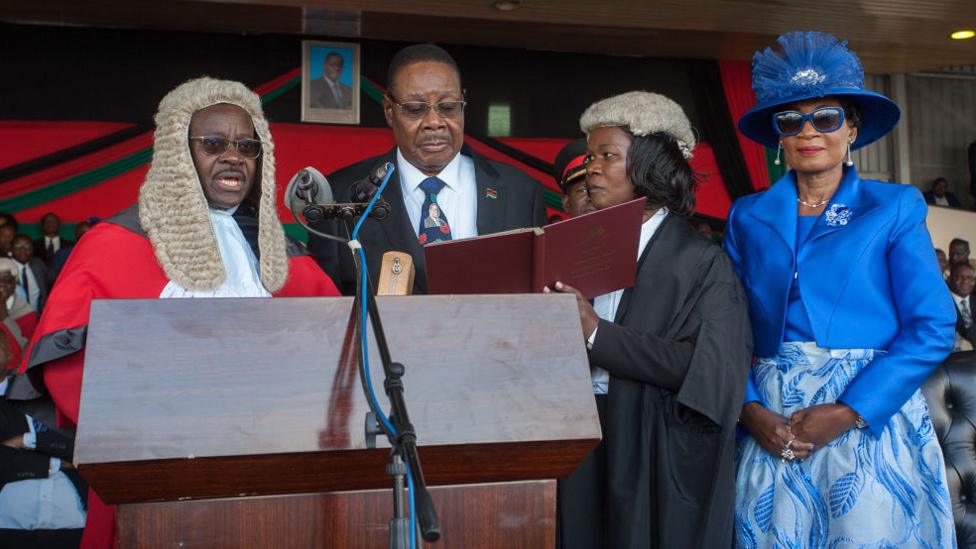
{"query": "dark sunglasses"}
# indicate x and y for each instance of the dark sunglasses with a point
(419, 109)
(215, 145)
(824, 120)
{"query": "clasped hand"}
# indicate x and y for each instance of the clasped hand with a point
(804, 432)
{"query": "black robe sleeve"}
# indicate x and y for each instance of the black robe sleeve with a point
(678, 353)
(703, 358)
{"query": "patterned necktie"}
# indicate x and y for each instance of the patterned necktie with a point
(433, 222)
(967, 315)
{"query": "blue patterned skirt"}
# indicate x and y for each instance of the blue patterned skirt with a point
(858, 491)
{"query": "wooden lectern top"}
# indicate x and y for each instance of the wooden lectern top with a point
(204, 398)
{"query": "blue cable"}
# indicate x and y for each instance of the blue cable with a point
(413, 516)
(363, 296)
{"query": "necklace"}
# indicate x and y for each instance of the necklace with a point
(815, 204)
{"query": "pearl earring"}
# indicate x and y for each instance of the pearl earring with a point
(779, 149)
(849, 162)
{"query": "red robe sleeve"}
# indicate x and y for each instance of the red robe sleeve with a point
(111, 262)
(27, 323)
(306, 279)
(13, 345)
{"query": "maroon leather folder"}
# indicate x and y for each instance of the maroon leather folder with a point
(595, 253)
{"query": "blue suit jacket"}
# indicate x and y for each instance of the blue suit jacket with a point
(872, 283)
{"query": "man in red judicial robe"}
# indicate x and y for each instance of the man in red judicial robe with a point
(205, 225)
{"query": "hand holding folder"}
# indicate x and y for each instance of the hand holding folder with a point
(595, 253)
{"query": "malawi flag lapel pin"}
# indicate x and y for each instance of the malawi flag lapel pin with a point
(491, 193)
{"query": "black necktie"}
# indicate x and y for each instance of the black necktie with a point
(24, 282)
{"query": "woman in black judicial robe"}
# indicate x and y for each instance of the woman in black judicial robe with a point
(669, 357)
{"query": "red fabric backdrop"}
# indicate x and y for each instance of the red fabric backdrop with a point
(325, 147)
(21, 141)
(737, 83)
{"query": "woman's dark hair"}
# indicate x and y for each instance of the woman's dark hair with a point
(660, 172)
(852, 111)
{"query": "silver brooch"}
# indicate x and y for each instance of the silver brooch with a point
(838, 215)
(807, 77)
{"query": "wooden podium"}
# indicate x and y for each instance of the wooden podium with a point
(203, 418)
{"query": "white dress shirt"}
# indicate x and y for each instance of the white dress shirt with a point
(52, 240)
(37, 503)
(34, 290)
(458, 199)
(240, 264)
(962, 304)
(606, 305)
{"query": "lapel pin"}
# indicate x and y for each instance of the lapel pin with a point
(838, 215)
(491, 193)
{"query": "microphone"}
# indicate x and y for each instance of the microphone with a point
(309, 192)
(308, 187)
(362, 191)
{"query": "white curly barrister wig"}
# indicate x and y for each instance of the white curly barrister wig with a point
(173, 209)
(642, 113)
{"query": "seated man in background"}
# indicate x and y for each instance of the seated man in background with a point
(34, 278)
(958, 251)
(961, 282)
(205, 225)
(50, 241)
(571, 177)
(939, 194)
(12, 306)
(42, 497)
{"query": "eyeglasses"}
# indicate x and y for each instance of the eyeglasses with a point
(215, 145)
(23, 246)
(418, 109)
(824, 120)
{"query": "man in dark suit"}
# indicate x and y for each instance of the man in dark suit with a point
(51, 242)
(327, 92)
(35, 278)
(939, 194)
(962, 279)
(425, 107)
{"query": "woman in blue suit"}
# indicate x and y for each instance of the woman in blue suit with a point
(849, 316)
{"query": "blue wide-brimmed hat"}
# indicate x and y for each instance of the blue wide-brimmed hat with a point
(810, 65)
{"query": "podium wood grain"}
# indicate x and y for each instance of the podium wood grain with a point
(483, 516)
(211, 398)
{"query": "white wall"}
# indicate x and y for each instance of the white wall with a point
(946, 224)
(877, 160)
(941, 124)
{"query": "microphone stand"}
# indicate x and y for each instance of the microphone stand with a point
(404, 444)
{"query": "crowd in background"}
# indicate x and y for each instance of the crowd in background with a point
(42, 496)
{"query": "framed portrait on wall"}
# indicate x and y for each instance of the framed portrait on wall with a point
(330, 82)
